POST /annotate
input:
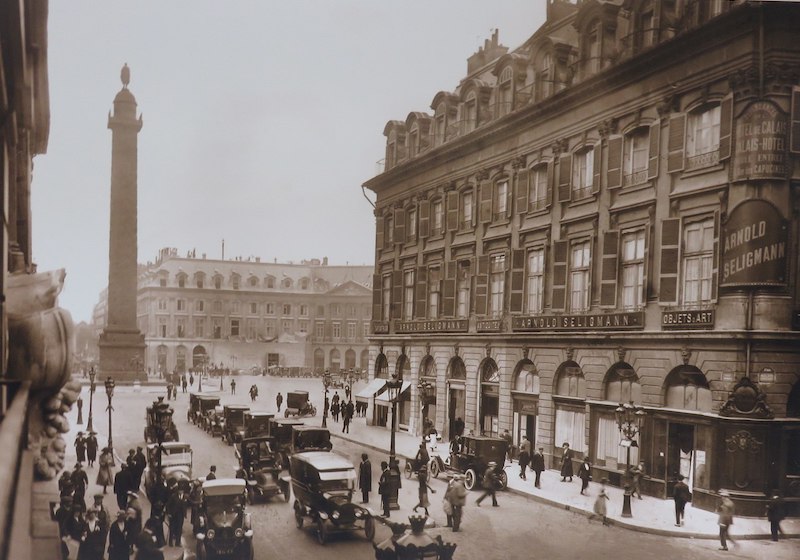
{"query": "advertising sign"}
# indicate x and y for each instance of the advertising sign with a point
(605, 321)
(754, 241)
(761, 141)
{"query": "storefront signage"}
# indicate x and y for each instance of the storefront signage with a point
(380, 327)
(489, 326)
(688, 319)
(767, 375)
(754, 243)
(445, 325)
(605, 321)
(761, 143)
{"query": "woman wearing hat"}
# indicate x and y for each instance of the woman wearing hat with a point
(93, 539)
(566, 463)
(118, 539)
(105, 474)
(422, 476)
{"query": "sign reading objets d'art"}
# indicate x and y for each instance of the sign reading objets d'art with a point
(601, 321)
(692, 319)
(754, 240)
(438, 325)
(761, 142)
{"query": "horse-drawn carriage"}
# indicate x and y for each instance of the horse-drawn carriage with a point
(159, 424)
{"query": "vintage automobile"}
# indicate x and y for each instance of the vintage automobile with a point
(472, 458)
(297, 404)
(214, 421)
(257, 423)
(323, 485)
(199, 405)
(224, 528)
(301, 439)
(176, 465)
(258, 466)
(158, 418)
(233, 430)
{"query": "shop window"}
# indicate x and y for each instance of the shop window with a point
(622, 385)
(490, 379)
(686, 388)
(456, 369)
(570, 381)
(570, 428)
(609, 452)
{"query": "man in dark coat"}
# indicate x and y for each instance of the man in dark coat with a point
(458, 427)
(365, 477)
(122, 483)
(566, 463)
(91, 448)
(80, 447)
(682, 495)
(139, 463)
(537, 465)
(212, 473)
(176, 513)
(384, 487)
(118, 540)
(524, 458)
(775, 514)
(585, 474)
(279, 401)
(490, 484)
(79, 482)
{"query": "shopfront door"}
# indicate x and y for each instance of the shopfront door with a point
(680, 455)
(456, 407)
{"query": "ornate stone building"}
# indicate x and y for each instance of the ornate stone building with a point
(241, 314)
(607, 213)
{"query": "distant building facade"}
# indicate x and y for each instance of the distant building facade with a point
(244, 314)
(607, 214)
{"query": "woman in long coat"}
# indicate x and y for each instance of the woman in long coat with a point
(105, 474)
(422, 476)
(566, 463)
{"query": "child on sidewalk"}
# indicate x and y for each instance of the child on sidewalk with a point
(600, 502)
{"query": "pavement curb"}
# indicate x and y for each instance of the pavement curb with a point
(589, 513)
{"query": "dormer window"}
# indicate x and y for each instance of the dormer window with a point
(440, 125)
(470, 112)
(413, 141)
(505, 92)
(592, 50)
(546, 76)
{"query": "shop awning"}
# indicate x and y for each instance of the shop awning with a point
(384, 397)
(374, 387)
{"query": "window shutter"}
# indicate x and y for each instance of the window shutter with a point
(610, 272)
(676, 142)
(421, 295)
(550, 179)
(509, 198)
(597, 167)
(452, 211)
(715, 260)
(424, 219)
(516, 302)
(614, 172)
(670, 246)
(379, 233)
(564, 174)
(522, 191)
(794, 144)
(646, 268)
(482, 286)
(377, 285)
(725, 126)
(485, 208)
(399, 225)
(397, 294)
(560, 250)
(449, 289)
(652, 164)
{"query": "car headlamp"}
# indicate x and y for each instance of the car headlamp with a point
(239, 533)
(210, 534)
(335, 515)
(358, 513)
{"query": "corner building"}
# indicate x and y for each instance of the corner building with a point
(606, 214)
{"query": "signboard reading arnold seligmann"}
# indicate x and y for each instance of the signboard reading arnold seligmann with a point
(600, 321)
(754, 246)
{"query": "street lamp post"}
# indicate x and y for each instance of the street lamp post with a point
(629, 421)
(220, 380)
(393, 388)
(425, 388)
(92, 387)
(326, 382)
(110, 393)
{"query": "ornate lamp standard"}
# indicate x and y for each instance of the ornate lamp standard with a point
(393, 388)
(326, 382)
(109, 393)
(92, 387)
(425, 389)
(629, 421)
(220, 379)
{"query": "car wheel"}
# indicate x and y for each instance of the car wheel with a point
(298, 515)
(407, 470)
(503, 480)
(435, 468)
(369, 528)
(322, 531)
(469, 479)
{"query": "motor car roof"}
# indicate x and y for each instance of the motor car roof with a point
(168, 445)
(236, 407)
(323, 460)
(298, 393)
(224, 486)
(304, 428)
(288, 421)
(260, 413)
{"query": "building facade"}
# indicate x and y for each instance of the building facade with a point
(245, 314)
(607, 214)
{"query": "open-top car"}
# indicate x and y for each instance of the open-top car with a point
(258, 466)
(256, 423)
(175, 463)
(323, 485)
(472, 458)
(159, 419)
(297, 404)
(199, 405)
(223, 526)
(233, 429)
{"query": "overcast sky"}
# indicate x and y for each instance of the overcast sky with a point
(261, 120)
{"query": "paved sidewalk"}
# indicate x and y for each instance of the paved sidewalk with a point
(650, 515)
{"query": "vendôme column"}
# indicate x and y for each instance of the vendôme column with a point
(121, 344)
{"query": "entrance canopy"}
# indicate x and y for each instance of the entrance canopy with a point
(374, 387)
(384, 397)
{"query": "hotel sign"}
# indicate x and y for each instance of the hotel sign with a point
(761, 143)
(603, 321)
(688, 319)
(490, 325)
(438, 325)
(754, 243)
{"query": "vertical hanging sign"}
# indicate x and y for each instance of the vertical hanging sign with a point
(761, 143)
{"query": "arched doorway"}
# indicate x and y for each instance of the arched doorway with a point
(319, 360)
(363, 362)
(403, 371)
(336, 360)
(525, 395)
(161, 357)
(490, 397)
(180, 359)
(456, 397)
(621, 385)
(381, 367)
(199, 357)
(569, 399)
(350, 359)
(427, 392)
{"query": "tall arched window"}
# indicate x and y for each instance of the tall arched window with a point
(350, 358)
(490, 397)
(686, 388)
(319, 359)
(569, 399)
(505, 91)
(382, 366)
(336, 360)
(363, 361)
(470, 117)
(198, 357)
(180, 359)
